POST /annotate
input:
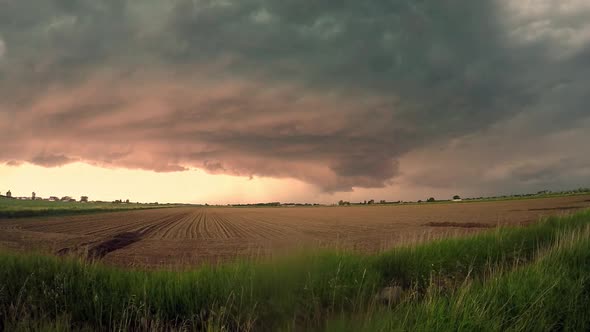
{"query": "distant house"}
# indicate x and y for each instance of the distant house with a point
(66, 199)
(84, 199)
(53, 199)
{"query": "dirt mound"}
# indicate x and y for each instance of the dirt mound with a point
(119, 241)
(98, 250)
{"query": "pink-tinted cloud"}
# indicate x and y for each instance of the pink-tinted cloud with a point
(331, 94)
(226, 126)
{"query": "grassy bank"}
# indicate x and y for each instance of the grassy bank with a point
(505, 276)
(12, 208)
(552, 293)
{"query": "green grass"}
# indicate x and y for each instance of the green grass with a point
(12, 208)
(524, 197)
(499, 280)
(579, 192)
(550, 294)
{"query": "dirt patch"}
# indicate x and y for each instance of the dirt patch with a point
(459, 224)
(559, 208)
(99, 250)
(119, 241)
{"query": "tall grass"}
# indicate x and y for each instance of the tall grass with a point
(454, 258)
(550, 294)
(446, 282)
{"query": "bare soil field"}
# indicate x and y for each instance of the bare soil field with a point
(190, 236)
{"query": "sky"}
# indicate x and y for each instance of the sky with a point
(242, 101)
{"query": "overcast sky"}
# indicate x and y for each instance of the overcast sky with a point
(251, 100)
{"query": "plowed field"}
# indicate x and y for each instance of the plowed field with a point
(189, 236)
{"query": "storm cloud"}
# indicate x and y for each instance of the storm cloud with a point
(334, 93)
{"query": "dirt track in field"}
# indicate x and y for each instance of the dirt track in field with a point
(189, 236)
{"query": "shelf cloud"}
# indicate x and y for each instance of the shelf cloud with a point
(338, 94)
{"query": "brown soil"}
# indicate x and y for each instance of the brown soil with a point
(459, 224)
(192, 236)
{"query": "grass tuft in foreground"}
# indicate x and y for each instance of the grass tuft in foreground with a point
(503, 279)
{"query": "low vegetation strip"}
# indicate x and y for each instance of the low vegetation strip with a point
(12, 208)
(502, 275)
(59, 212)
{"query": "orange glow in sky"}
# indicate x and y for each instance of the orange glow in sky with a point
(98, 183)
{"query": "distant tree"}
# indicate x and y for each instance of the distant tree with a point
(456, 197)
(33, 195)
(372, 201)
(420, 201)
(431, 199)
(9, 194)
(382, 201)
(127, 201)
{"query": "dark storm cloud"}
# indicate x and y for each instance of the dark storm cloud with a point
(329, 92)
(51, 160)
(506, 159)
